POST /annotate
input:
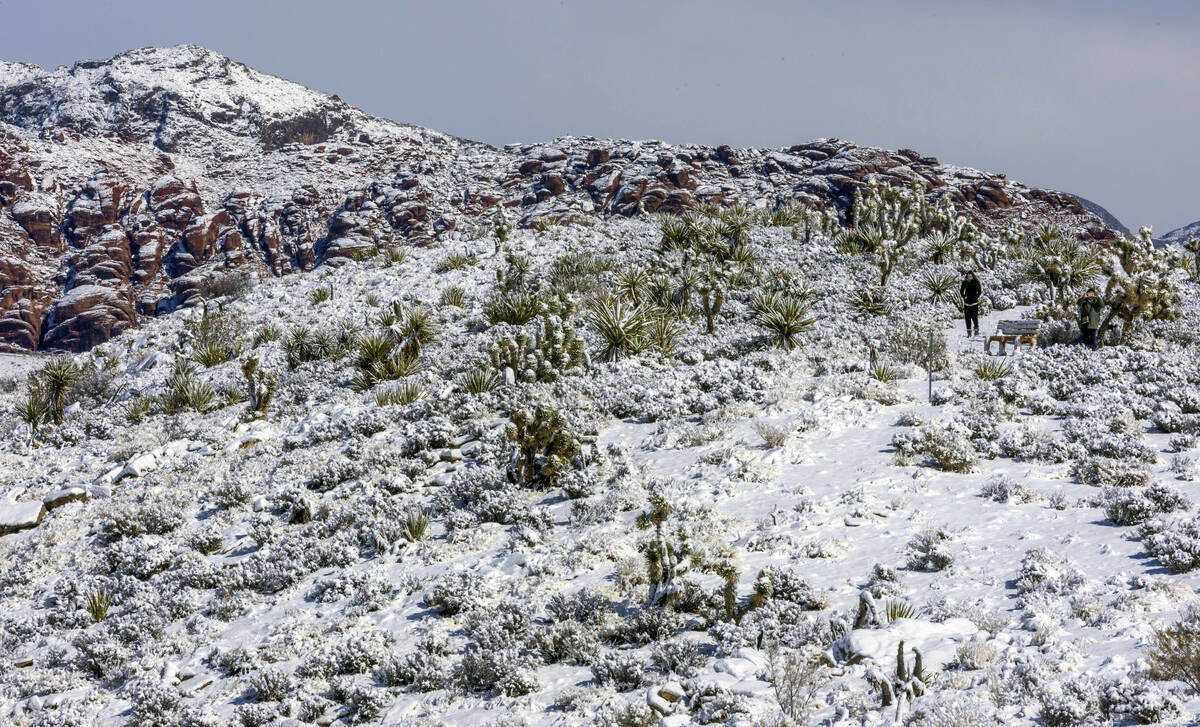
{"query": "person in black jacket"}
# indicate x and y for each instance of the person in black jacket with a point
(970, 290)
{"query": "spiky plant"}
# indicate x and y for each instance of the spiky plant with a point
(883, 372)
(34, 409)
(456, 261)
(784, 320)
(416, 525)
(398, 366)
(266, 333)
(321, 294)
(872, 302)
(372, 299)
(621, 325)
(414, 328)
(400, 394)
(393, 256)
(55, 380)
(98, 603)
(678, 233)
(516, 308)
(373, 348)
(212, 353)
(940, 245)
(663, 332)
(631, 283)
(185, 392)
(139, 408)
(939, 284)
(453, 296)
(479, 381)
(992, 370)
(893, 610)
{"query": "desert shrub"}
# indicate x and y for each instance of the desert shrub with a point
(425, 669)
(907, 342)
(455, 593)
(568, 641)
(622, 670)
(940, 709)
(227, 285)
(1073, 703)
(1142, 701)
(271, 684)
(1002, 488)
(930, 550)
(1045, 571)
(586, 606)
(506, 670)
(947, 445)
(1174, 541)
(1135, 505)
(154, 704)
(1105, 472)
(681, 657)
(773, 435)
(367, 704)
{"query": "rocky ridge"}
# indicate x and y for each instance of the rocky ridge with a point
(125, 184)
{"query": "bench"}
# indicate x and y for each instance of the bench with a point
(1014, 332)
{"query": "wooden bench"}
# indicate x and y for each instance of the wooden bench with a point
(1014, 332)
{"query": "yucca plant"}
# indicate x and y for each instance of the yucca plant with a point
(621, 325)
(266, 333)
(212, 353)
(883, 372)
(872, 302)
(400, 394)
(139, 408)
(992, 370)
(320, 295)
(784, 321)
(456, 261)
(98, 603)
(372, 299)
(893, 610)
(413, 329)
(373, 348)
(453, 296)
(678, 233)
(397, 366)
(479, 381)
(394, 256)
(631, 283)
(301, 346)
(689, 284)
(516, 308)
(416, 525)
(662, 332)
(34, 409)
(55, 380)
(939, 284)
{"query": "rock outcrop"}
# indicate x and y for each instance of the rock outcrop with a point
(126, 183)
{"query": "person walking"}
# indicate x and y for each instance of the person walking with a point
(1090, 309)
(970, 290)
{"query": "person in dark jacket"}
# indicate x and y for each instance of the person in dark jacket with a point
(970, 290)
(1091, 310)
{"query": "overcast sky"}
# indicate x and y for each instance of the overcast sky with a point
(1095, 97)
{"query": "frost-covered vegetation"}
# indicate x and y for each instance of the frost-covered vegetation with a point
(676, 470)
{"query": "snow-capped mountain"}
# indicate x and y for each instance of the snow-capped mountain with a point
(132, 180)
(1182, 234)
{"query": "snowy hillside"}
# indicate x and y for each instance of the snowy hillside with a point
(152, 173)
(1183, 234)
(672, 470)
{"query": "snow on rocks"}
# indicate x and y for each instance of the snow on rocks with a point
(16, 516)
(937, 641)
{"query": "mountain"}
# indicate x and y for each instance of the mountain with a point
(1183, 233)
(127, 183)
(1108, 217)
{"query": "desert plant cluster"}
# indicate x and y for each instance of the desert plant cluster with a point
(676, 469)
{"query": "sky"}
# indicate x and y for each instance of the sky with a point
(1097, 97)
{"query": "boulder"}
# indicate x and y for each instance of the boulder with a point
(16, 516)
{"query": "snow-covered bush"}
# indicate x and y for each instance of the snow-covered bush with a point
(1002, 488)
(941, 709)
(157, 514)
(456, 593)
(1139, 699)
(1073, 703)
(271, 684)
(680, 657)
(621, 669)
(154, 704)
(930, 550)
(948, 446)
(505, 670)
(1105, 472)
(425, 669)
(1135, 505)
(1174, 541)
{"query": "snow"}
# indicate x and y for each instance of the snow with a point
(20, 515)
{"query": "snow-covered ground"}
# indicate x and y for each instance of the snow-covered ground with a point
(274, 570)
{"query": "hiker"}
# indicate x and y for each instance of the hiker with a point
(1090, 309)
(970, 290)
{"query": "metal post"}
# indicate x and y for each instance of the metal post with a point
(930, 366)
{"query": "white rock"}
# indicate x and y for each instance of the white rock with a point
(16, 516)
(259, 503)
(140, 465)
(65, 495)
(108, 477)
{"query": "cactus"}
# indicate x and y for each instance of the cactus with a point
(905, 686)
(662, 557)
(545, 445)
(552, 350)
(260, 389)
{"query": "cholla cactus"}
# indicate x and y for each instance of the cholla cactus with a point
(553, 350)
(260, 389)
(1193, 246)
(662, 557)
(545, 445)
